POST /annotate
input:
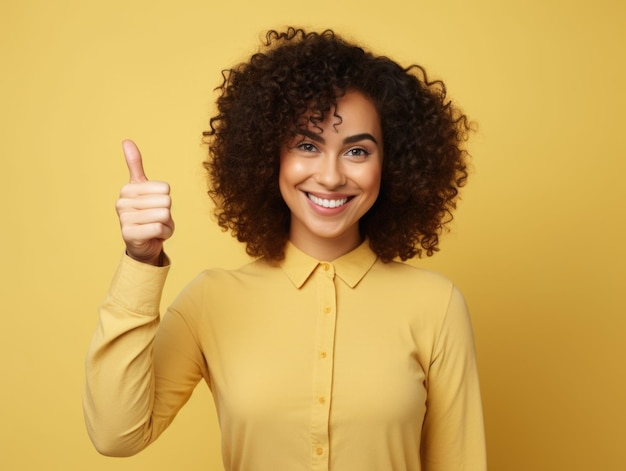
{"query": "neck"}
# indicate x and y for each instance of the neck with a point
(326, 249)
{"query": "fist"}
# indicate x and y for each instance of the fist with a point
(143, 209)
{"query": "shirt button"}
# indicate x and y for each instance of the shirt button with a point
(319, 451)
(322, 354)
(322, 399)
(325, 266)
(327, 309)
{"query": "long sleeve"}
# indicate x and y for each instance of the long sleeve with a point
(139, 372)
(453, 432)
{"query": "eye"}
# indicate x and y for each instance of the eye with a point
(357, 152)
(306, 146)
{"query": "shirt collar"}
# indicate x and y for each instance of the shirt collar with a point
(351, 267)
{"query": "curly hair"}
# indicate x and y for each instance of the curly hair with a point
(297, 77)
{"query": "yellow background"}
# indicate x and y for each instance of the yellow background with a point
(537, 245)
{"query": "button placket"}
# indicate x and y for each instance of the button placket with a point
(323, 369)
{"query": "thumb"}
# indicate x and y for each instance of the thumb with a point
(133, 162)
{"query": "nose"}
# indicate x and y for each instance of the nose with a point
(330, 172)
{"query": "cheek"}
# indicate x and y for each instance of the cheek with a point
(292, 171)
(282, 185)
(370, 180)
(289, 175)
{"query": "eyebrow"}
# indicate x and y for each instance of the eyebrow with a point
(348, 140)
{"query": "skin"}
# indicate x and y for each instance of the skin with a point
(330, 179)
(144, 211)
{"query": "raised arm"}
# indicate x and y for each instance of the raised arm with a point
(138, 373)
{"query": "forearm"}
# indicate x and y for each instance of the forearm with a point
(119, 382)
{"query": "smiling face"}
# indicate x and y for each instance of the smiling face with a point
(330, 179)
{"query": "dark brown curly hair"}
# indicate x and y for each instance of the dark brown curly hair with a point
(297, 74)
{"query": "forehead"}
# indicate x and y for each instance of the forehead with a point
(353, 110)
(355, 105)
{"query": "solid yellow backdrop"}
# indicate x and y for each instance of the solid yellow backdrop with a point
(536, 246)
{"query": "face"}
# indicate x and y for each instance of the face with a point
(330, 179)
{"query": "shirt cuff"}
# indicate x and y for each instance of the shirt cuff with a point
(137, 286)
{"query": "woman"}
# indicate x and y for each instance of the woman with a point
(328, 163)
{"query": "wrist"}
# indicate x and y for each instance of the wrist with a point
(161, 260)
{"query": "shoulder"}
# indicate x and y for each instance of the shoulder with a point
(420, 290)
(220, 290)
(405, 275)
(256, 269)
(221, 280)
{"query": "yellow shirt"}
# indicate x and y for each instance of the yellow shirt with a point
(350, 365)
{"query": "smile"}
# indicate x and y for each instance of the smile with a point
(327, 203)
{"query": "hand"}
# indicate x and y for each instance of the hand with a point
(144, 211)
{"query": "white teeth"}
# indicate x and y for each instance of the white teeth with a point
(327, 203)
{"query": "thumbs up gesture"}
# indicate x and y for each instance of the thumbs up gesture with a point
(143, 209)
